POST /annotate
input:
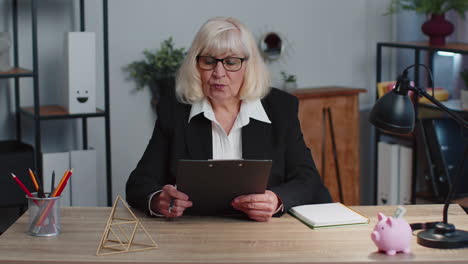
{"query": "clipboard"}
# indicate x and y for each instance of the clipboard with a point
(212, 184)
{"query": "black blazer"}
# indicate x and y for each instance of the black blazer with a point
(293, 178)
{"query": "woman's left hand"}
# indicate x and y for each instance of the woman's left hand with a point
(259, 207)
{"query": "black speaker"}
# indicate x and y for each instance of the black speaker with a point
(17, 158)
(445, 140)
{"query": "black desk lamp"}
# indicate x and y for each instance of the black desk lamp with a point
(394, 113)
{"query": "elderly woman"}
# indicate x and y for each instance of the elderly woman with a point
(226, 110)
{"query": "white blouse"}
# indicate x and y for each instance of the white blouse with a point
(230, 146)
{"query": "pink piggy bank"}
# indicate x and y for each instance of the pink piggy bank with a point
(392, 235)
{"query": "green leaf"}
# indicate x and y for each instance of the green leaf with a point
(428, 6)
(288, 77)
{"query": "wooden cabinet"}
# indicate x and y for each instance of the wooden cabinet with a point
(316, 105)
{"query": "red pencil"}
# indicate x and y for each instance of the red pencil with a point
(28, 193)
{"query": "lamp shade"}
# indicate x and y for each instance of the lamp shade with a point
(393, 113)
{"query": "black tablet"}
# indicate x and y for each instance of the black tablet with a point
(212, 184)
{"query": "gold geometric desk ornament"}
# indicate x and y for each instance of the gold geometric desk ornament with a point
(121, 234)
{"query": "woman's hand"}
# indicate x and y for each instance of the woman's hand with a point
(259, 207)
(161, 202)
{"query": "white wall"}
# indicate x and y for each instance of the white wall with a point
(329, 42)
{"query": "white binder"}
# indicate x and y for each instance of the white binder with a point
(80, 67)
(387, 173)
(405, 174)
(84, 178)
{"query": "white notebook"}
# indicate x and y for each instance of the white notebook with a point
(327, 215)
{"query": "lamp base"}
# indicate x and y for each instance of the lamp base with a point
(443, 236)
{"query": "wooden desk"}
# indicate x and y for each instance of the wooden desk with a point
(225, 240)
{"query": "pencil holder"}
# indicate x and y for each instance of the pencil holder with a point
(44, 216)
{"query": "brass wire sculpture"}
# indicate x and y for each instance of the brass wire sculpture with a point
(116, 238)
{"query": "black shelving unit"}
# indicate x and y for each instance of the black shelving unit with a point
(418, 49)
(38, 112)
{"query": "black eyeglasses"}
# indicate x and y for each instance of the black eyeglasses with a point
(231, 64)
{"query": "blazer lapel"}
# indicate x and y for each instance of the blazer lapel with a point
(256, 140)
(198, 138)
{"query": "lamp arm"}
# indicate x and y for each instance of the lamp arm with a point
(451, 192)
(451, 113)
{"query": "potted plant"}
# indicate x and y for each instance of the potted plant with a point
(464, 91)
(157, 70)
(289, 81)
(436, 27)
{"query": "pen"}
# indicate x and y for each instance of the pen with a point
(171, 204)
(52, 183)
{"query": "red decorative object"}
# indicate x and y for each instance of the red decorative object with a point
(437, 28)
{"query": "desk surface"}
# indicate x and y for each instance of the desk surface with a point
(227, 240)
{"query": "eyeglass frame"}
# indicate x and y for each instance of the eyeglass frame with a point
(222, 61)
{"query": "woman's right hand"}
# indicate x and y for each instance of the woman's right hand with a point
(161, 202)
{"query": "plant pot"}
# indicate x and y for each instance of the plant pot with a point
(290, 86)
(162, 87)
(437, 28)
